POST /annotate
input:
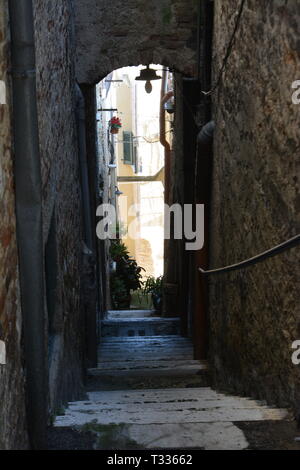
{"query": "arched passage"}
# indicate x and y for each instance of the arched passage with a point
(111, 35)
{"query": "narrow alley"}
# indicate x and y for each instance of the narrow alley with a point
(150, 229)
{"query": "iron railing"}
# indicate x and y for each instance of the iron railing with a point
(292, 242)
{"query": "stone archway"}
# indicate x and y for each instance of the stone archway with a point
(111, 35)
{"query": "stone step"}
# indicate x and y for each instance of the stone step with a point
(140, 345)
(110, 314)
(143, 347)
(140, 339)
(143, 344)
(150, 365)
(148, 392)
(133, 357)
(148, 326)
(148, 374)
(166, 406)
(157, 348)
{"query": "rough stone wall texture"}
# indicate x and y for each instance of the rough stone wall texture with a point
(116, 34)
(61, 190)
(254, 313)
(12, 410)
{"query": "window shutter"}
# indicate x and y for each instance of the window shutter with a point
(128, 147)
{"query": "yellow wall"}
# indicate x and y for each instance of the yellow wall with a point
(147, 248)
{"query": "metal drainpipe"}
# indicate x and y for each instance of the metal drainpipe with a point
(81, 130)
(29, 216)
(164, 97)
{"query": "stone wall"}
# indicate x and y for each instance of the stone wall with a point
(62, 210)
(111, 35)
(254, 313)
(12, 409)
(62, 223)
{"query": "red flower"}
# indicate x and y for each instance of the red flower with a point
(115, 121)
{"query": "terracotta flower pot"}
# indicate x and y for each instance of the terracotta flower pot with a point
(114, 130)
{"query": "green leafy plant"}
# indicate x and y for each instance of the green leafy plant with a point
(128, 275)
(154, 286)
(118, 251)
(119, 231)
(119, 294)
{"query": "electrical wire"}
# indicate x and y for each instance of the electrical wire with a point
(224, 63)
(228, 52)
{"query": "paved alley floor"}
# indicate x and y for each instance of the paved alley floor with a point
(149, 393)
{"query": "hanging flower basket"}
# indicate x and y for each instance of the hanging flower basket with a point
(114, 124)
(114, 130)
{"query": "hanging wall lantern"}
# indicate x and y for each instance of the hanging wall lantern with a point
(117, 191)
(148, 75)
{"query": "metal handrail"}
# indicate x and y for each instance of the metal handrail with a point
(292, 242)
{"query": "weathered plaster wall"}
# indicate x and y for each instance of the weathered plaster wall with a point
(255, 313)
(61, 190)
(12, 410)
(116, 34)
(105, 153)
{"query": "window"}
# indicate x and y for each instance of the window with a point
(129, 150)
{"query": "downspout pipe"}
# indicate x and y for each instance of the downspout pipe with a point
(164, 97)
(168, 244)
(28, 191)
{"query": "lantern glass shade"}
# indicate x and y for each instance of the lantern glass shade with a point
(148, 87)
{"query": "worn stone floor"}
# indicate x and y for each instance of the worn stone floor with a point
(149, 393)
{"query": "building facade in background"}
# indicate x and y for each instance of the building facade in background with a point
(137, 153)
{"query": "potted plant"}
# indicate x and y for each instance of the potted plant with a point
(154, 286)
(115, 124)
(127, 276)
(119, 293)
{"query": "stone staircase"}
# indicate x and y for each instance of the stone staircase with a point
(149, 393)
(138, 323)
